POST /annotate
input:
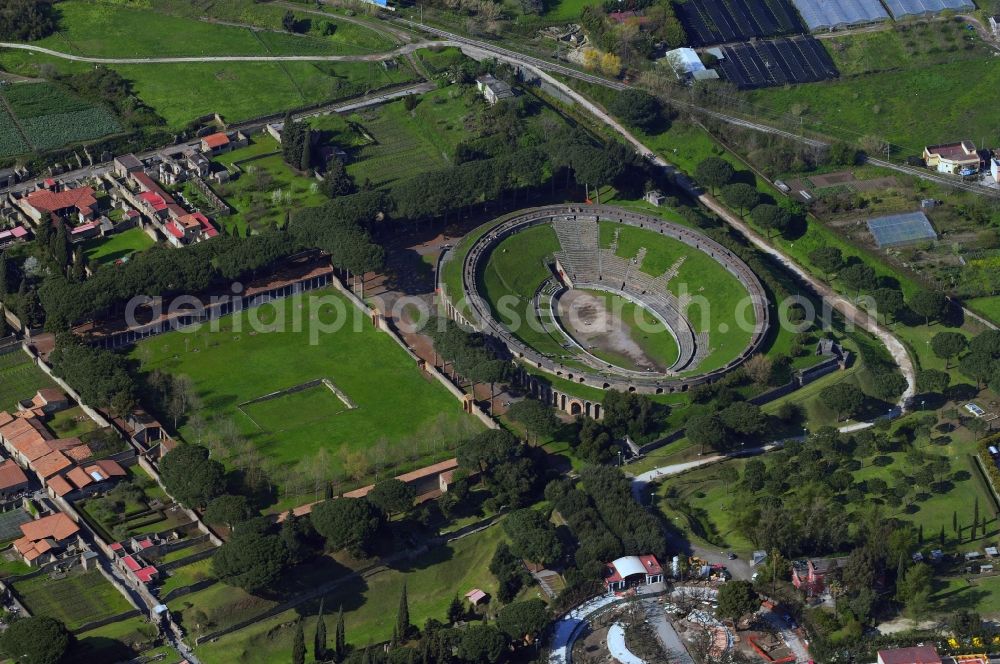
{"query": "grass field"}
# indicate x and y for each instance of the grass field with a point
(410, 142)
(186, 575)
(911, 108)
(76, 599)
(243, 90)
(266, 189)
(19, 379)
(432, 580)
(397, 404)
(986, 306)
(120, 641)
(107, 29)
(118, 246)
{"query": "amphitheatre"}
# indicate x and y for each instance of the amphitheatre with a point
(607, 298)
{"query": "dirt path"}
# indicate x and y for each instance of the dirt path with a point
(371, 57)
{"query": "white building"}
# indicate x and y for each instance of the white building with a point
(493, 89)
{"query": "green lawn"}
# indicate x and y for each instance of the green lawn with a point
(120, 641)
(117, 246)
(244, 90)
(187, 575)
(406, 410)
(432, 580)
(76, 599)
(71, 423)
(19, 379)
(988, 307)
(108, 29)
(567, 10)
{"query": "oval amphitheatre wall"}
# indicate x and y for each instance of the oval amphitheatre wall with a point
(609, 376)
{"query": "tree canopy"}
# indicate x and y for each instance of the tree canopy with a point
(349, 523)
(737, 599)
(252, 558)
(392, 496)
(190, 476)
(713, 172)
(36, 640)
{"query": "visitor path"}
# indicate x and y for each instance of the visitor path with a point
(370, 57)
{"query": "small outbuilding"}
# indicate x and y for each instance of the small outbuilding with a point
(631, 571)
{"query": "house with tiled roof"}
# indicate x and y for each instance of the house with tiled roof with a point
(49, 400)
(44, 540)
(189, 227)
(957, 158)
(214, 144)
(74, 205)
(13, 481)
(128, 557)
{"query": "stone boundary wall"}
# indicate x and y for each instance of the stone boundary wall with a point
(94, 624)
(481, 249)
(382, 324)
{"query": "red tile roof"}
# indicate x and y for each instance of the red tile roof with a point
(59, 485)
(131, 563)
(79, 477)
(146, 574)
(58, 526)
(106, 468)
(50, 464)
(217, 140)
(916, 655)
(11, 475)
(81, 199)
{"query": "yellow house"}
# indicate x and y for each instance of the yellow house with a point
(952, 157)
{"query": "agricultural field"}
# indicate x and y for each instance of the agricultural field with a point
(910, 107)
(266, 189)
(48, 116)
(12, 141)
(19, 379)
(409, 142)
(76, 598)
(116, 247)
(401, 415)
(432, 580)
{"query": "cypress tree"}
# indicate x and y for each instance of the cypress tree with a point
(319, 640)
(403, 616)
(954, 521)
(305, 160)
(340, 640)
(366, 657)
(4, 284)
(299, 645)
(920, 534)
(941, 537)
(975, 511)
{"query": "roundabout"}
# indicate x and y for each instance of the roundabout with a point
(608, 298)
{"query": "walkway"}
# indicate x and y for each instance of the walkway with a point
(619, 649)
(570, 625)
(371, 57)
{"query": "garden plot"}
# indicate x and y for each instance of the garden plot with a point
(51, 117)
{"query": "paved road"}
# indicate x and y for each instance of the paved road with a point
(665, 632)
